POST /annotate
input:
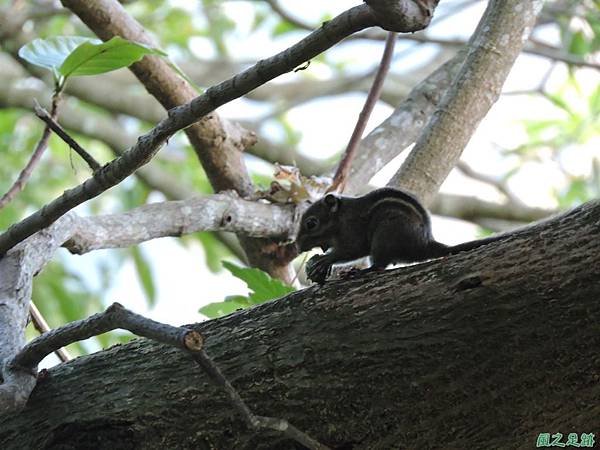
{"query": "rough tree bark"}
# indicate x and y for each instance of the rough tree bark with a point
(485, 349)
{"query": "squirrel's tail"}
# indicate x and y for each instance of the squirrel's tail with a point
(466, 246)
(437, 249)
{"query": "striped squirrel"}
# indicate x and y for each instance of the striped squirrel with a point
(389, 225)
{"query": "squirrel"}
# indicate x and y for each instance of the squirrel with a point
(389, 225)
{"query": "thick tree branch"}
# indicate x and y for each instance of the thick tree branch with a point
(22, 263)
(428, 346)
(17, 270)
(493, 49)
(223, 212)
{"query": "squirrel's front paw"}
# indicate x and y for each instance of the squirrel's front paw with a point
(318, 268)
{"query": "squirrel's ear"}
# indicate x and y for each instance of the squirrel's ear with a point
(333, 202)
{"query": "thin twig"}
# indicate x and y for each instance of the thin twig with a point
(254, 421)
(532, 47)
(61, 133)
(520, 92)
(279, 10)
(541, 89)
(25, 174)
(498, 184)
(42, 327)
(345, 85)
(115, 316)
(341, 174)
(535, 47)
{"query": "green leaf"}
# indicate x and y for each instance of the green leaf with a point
(292, 136)
(578, 44)
(214, 250)
(177, 26)
(134, 196)
(183, 75)
(51, 53)
(95, 58)
(62, 296)
(559, 102)
(263, 287)
(580, 190)
(594, 102)
(239, 299)
(326, 17)
(282, 28)
(220, 309)
(144, 272)
(261, 180)
(259, 18)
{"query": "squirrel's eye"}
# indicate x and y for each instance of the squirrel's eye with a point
(311, 223)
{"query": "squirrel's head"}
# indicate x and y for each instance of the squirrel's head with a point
(318, 224)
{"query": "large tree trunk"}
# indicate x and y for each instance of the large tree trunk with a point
(485, 349)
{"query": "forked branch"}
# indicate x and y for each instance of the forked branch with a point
(51, 123)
